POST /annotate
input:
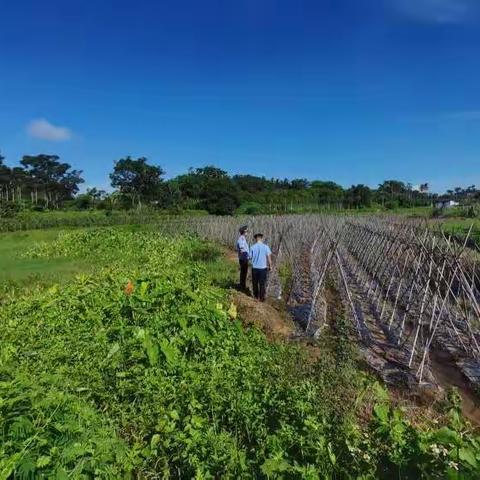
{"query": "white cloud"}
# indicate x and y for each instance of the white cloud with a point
(436, 11)
(41, 128)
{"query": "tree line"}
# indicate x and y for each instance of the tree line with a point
(45, 182)
(41, 179)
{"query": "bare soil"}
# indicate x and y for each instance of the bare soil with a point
(265, 316)
(448, 375)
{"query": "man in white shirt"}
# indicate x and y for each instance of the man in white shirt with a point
(243, 251)
(261, 258)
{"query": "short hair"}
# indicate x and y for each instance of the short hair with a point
(243, 229)
(258, 235)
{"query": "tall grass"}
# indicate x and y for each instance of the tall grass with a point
(52, 219)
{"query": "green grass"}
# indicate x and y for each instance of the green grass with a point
(18, 270)
(373, 210)
(460, 224)
(31, 271)
(459, 227)
(28, 220)
(412, 211)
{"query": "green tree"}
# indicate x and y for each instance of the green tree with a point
(391, 191)
(136, 179)
(299, 184)
(327, 193)
(220, 196)
(4, 179)
(96, 195)
(193, 184)
(170, 196)
(209, 188)
(252, 183)
(83, 201)
(54, 179)
(358, 196)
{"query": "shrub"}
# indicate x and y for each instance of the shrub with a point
(250, 208)
(9, 209)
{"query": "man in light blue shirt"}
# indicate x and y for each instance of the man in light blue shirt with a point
(243, 251)
(261, 258)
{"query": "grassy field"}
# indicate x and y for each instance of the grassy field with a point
(460, 226)
(19, 270)
(139, 367)
(28, 220)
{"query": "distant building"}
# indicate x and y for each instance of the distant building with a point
(446, 204)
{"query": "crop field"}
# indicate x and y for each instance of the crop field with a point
(125, 356)
(408, 290)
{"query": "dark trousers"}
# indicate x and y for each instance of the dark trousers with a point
(259, 281)
(243, 273)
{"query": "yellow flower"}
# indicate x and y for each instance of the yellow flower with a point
(232, 311)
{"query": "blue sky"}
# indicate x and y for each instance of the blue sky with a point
(355, 91)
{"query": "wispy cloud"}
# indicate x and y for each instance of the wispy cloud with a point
(42, 128)
(436, 11)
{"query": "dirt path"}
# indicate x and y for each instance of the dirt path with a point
(269, 316)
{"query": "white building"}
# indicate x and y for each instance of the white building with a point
(446, 204)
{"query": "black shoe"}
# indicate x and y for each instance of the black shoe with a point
(245, 290)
